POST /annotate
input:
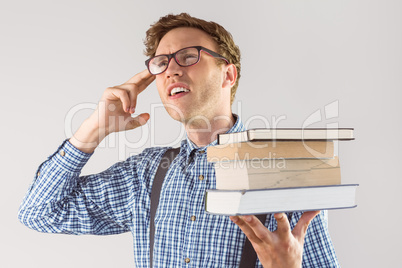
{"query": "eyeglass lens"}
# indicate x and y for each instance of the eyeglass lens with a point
(184, 57)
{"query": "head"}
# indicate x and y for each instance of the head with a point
(223, 39)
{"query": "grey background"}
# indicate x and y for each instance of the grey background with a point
(298, 57)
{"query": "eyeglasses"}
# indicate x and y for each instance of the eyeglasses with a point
(184, 57)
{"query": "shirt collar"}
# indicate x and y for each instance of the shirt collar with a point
(189, 146)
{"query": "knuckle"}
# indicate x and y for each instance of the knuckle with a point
(263, 236)
(286, 246)
(118, 89)
(240, 223)
(112, 90)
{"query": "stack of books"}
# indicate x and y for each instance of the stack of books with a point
(262, 171)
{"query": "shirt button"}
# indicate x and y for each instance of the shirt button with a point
(187, 260)
(202, 151)
(193, 218)
(201, 177)
(38, 174)
(62, 153)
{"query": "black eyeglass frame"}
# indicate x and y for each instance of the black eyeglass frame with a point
(173, 56)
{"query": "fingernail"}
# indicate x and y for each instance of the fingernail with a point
(234, 218)
(247, 218)
(278, 216)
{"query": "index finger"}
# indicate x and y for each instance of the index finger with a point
(140, 81)
(140, 77)
(253, 228)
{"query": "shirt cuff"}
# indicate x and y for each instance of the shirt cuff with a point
(70, 158)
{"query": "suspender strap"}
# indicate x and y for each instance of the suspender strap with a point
(163, 167)
(248, 256)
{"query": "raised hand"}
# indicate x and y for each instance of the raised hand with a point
(113, 113)
(281, 248)
(118, 103)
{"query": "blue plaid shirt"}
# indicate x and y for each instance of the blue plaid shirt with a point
(117, 200)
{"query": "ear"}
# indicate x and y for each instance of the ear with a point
(230, 76)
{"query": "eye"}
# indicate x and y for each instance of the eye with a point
(188, 58)
(160, 62)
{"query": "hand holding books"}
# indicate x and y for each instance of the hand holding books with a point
(281, 248)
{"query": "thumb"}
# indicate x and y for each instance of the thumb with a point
(138, 121)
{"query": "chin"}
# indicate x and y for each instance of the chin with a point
(176, 113)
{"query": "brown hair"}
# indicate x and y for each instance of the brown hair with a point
(222, 37)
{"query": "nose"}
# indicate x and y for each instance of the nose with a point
(173, 69)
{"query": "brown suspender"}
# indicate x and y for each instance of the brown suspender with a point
(248, 258)
(163, 167)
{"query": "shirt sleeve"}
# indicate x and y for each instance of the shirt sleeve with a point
(61, 201)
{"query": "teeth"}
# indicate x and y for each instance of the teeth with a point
(178, 90)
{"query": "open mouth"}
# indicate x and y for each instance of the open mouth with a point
(178, 90)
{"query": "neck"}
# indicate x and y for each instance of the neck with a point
(202, 131)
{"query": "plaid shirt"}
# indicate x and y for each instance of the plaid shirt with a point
(117, 200)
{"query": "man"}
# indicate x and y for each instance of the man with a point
(196, 66)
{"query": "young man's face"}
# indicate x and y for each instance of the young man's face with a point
(206, 95)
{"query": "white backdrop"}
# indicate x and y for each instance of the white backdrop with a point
(299, 57)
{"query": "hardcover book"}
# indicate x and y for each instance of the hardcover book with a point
(276, 173)
(271, 150)
(264, 201)
(269, 134)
